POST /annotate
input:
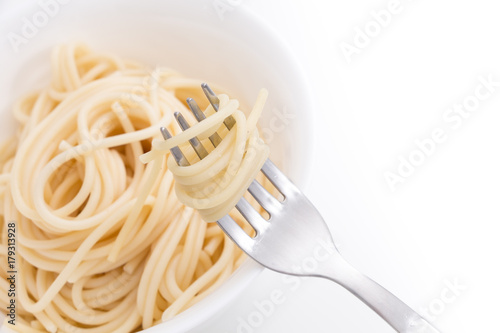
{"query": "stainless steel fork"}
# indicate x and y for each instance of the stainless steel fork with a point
(295, 239)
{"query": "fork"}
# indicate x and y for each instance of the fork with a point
(295, 239)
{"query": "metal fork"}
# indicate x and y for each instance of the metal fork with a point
(295, 239)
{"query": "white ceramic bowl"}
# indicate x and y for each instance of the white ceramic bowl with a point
(233, 48)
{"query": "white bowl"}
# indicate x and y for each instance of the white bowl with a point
(235, 49)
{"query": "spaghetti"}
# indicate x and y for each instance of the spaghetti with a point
(103, 242)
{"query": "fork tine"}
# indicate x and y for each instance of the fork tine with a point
(279, 180)
(195, 109)
(264, 198)
(166, 134)
(251, 215)
(199, 115)
(214, 101)
(212, 97)
(176, 151)
(234, 231)
(195, 142)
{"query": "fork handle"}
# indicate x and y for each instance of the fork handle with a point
(394, 311)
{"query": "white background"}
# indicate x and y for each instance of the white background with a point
(438, 227)
(441, 223)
